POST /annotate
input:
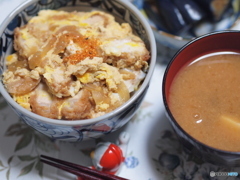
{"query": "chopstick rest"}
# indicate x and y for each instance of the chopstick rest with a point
(109, 157)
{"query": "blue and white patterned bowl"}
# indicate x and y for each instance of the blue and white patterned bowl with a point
(78, 130)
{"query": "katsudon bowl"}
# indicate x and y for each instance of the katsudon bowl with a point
(78, 130)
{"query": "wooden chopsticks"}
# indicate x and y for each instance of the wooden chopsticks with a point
(79, 170)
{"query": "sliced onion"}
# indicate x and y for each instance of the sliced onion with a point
(127, 74)
(123, 92)
(98, 94)
(100, 98)
(38, 59)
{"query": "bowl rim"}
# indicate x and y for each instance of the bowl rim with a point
(123, 107)
(165, 103)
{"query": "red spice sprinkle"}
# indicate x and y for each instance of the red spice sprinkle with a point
(89, 49)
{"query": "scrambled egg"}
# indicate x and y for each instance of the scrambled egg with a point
(74, 65)
(23, 100)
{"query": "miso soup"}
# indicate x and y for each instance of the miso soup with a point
(205, 100)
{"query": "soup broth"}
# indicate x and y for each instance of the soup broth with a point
(204, 99)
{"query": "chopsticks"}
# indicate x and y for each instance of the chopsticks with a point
(79, 170)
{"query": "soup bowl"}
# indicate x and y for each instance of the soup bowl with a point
(221, 41)
(78, 130)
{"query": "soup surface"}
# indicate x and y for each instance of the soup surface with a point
(205, 100)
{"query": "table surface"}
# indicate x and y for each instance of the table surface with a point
(151, 136)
